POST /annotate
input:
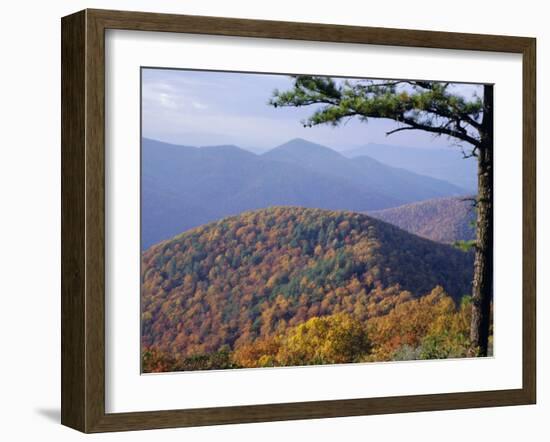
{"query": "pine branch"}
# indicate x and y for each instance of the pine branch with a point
(432, 109)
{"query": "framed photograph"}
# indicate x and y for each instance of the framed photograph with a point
(268, 221)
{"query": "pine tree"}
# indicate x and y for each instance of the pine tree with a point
(431, 107)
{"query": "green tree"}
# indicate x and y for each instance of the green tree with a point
(431, 107)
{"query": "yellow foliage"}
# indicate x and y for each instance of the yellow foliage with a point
(411, 323)
(331, 339)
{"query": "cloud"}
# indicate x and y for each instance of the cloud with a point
(183, 105)
(199, 105)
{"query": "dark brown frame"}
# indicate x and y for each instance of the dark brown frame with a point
(83, 216)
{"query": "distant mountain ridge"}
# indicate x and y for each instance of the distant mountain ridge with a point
(446, 164)
(443, 220)
(365, 172)
(184, 186)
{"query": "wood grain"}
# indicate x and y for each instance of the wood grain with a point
(73, 292)
(83, 219)
(529, 221)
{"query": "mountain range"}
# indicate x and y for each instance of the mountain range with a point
(446, 164)
(185, 186)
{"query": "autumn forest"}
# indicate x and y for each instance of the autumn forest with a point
(301, 254)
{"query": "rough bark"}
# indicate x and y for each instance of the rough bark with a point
(483, 265)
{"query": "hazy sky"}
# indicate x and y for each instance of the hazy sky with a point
(207, 108)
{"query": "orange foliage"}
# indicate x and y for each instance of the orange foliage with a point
(251, 278)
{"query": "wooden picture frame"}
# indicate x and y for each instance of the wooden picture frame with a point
(83, 220)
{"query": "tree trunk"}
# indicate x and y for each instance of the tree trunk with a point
(483, 265)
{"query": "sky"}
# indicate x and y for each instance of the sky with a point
(201, 108)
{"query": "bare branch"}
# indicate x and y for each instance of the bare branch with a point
(473, 200)
(441, 130)
(472, 154)
(399, 129)
(386, 84)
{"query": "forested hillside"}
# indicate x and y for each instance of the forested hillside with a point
(444, 220)
(255, 289)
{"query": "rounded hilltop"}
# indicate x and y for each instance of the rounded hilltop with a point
(245, 277)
